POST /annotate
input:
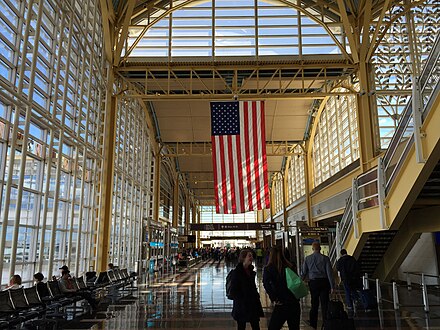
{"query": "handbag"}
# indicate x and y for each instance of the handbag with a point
(296, 284)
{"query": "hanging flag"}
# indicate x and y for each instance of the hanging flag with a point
(239, 156)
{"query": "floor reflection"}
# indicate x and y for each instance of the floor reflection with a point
(195, 299)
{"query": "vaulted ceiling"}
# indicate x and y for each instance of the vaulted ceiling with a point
(178, 91)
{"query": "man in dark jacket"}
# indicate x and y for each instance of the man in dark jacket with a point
(350, 273)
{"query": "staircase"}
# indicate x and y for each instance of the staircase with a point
(374, 250)
(401, 183)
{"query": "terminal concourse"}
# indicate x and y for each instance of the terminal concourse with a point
(144, 142)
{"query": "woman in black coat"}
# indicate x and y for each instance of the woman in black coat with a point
(247, 305)
(274, 280)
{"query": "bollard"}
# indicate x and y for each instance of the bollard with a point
(425, 294)
(378, 292)
(395, 297)
(408, 281)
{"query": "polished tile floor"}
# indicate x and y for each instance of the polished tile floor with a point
(195, 299)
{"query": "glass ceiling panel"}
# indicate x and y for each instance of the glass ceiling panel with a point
(233, 31)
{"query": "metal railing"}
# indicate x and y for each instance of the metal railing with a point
(370, 188)
(394, 286)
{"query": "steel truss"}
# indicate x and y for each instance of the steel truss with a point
(191, 149)
(226, 81)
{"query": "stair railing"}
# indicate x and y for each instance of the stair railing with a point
(370, 188)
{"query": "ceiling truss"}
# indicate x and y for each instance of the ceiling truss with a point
(289, 79)
(204, 149)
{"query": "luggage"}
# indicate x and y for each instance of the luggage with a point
(336, 317)
(368, 300)
(335, 310)
(229, 293)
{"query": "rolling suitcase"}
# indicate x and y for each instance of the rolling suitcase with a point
(336, 317)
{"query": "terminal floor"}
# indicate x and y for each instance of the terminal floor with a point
(195, 299)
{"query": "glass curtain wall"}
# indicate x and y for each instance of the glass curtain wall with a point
(166, 203)
(131, 183)
(277, 192)
(234, 28)
(393, 65)
(296, 179)
(50, 135)
(336, 141)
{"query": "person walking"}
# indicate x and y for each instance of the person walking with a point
(350, 274)
(246, 299)
(318, 270)
(287, 306)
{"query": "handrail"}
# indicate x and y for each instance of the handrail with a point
(398, 148)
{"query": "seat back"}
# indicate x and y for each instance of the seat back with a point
(75, 284)
(42, 290)
(102, 278)
(118, 274)
(112, 276)
(81, 283)
(32, 296)
(54, 289)
(6, 305)
(18, 298)
(124, 273)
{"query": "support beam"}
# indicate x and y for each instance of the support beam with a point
(104, 227)
(124, 32)
(108, 31)
(366, 108)
(349, 31)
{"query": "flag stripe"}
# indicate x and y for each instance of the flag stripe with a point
(256, 156)
(231, 192)
(240, 175)
(223, 174)
(214, 165)
(263, 149)
(248, 156)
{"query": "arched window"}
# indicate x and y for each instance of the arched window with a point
(296, 180)
(234, 28)
(335, 143)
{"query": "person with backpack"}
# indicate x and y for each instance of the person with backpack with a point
(287, 306)
(241, 288)
(350, 274)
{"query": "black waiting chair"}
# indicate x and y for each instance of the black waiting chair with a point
(9, 317)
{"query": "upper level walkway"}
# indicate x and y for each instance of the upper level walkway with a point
(195, 299)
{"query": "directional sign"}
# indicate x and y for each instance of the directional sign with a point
(232, 226)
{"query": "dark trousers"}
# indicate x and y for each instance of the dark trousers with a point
(241, 325)
(319, 291)
(349, 294)
(282, 313)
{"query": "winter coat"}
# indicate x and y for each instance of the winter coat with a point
(275, 285)
(247, 304)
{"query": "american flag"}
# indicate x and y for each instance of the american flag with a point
(239, 156)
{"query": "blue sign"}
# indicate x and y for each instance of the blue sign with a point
(156, 244)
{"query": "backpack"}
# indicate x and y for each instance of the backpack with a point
(229, 293)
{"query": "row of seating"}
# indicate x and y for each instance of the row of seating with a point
(45, 300)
